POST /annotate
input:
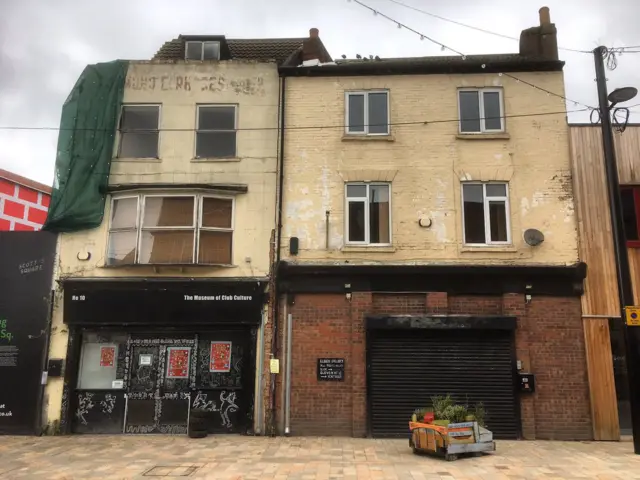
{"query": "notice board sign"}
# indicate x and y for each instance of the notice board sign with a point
(331, 369)
(632, 315)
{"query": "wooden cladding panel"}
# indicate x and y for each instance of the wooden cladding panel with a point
(594, 222)
(602, 389)
(627, 155)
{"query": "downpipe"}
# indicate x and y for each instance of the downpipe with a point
(260, 369)
(287, 379)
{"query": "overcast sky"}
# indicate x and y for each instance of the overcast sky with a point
(45, 44)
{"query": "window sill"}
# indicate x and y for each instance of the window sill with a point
(170, 265)
(215, 159)
(483, 136)
(366, 138)
(137, 160)
(368, 249)
(489, 248)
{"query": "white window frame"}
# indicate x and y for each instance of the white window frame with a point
(365, 93)
(122, 107)
(487, 219)
(196, 225)
(137, 225)
(202, 44)
(198, 129)
(367, 226)
(173, 228)
(216, 229)
(481, 92)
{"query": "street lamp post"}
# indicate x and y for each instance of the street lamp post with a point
(625, 286)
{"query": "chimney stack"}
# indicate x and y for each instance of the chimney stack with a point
(541, 41)
(545, 16)
(313, 51)
(314, 32)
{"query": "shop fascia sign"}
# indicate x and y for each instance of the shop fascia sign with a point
(218, 298)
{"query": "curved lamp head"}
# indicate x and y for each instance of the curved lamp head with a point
(624, 94)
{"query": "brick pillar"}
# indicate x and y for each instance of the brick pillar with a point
(437, 303)
(360, 306)
(513, 305)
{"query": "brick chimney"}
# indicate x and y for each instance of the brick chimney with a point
(540, 41)
(312, 47)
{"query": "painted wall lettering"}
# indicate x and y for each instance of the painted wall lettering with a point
(212, 83)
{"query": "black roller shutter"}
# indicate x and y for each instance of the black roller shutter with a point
(407, 367)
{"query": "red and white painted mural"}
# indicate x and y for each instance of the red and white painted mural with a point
(23, 202)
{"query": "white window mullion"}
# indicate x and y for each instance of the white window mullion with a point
(481, 110)
(366, 119)
(487, 215)
(367, 228)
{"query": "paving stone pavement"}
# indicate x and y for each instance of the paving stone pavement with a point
(247, 458)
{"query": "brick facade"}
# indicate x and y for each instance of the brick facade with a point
(23, 203)
(549, 343)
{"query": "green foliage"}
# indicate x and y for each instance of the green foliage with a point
(444, 408)
(480, 413)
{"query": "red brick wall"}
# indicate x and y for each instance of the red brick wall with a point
(549, 342)
(21, 208)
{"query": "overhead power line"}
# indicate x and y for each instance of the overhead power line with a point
(478, 29)
(301, 127)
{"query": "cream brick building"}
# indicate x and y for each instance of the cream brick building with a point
(406, 271)
(160, 310)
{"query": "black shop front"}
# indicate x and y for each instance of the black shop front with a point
(143, 353)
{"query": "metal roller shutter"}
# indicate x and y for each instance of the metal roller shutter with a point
(407, 367)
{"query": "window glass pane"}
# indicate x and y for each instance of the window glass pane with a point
(498, 221)
(216, 118)
(379, 214)
(356, 113)
(168, 212)
(101, 361)
(378, 113)
(356, 222)
(215, 247)
(139, 117)
(357, 191)
(473, 213)
(469, 112)
(496, 190)
(211, 50)
(492, 119)
(629, 214)
(216, 212)
(125, 211)
(215, 144)
(166, 246)
(194, 51)
(122, 248)
(138, 145)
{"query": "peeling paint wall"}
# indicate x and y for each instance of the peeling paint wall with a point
(425, 164)
(179, 87)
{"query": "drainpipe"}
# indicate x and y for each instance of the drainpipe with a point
(260, 369)
(287, 380)
(276, 293)
(326, 239)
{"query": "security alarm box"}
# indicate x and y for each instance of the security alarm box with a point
(527, 382)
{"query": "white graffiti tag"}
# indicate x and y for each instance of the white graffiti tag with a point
(108, 403)
(231, 406)
(84, 405)
(202, 403)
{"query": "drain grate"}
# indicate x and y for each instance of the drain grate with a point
(170, 471)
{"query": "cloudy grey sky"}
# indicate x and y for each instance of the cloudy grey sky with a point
(45, 44)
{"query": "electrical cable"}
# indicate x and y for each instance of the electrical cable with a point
(464, 57)
(489, 32)
(312, 127)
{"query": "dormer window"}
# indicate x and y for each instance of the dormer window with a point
(202, 51)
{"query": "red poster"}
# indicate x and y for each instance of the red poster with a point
(220, 357)
(178, 364)
(107, 356)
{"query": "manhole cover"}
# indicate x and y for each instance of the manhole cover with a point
(170, 471)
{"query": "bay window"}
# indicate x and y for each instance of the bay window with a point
(176, 229)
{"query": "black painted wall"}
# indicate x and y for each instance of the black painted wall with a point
(26, 282)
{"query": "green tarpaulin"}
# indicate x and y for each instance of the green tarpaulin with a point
(85, 148)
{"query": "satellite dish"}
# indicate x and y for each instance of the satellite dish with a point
(533, 237)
